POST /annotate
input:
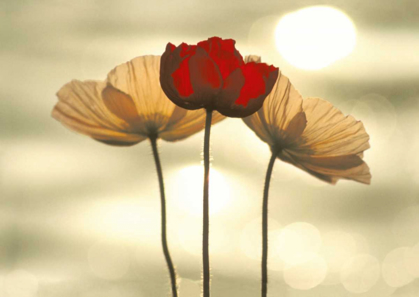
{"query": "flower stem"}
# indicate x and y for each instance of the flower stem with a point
(169, 262)
(205, 233)
(265, 225)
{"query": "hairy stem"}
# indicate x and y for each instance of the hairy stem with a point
(265, 226)
(205, 233)
(169, 262)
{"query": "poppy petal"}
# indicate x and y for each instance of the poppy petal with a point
(223, 53)
(205, 77)
(224, 102)
(332, 144)
(254, 85)
(182, 76)
(176, 78)
(252, 58)
(122, 106)
(279, 109)
(331, 169)
(140, 80)
(295, 128)
(81, 109)
(329, 132)
(168, 64)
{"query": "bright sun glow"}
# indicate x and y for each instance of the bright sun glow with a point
(188, 193)
(315, 37)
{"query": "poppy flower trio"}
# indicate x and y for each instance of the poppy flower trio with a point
(205, 83)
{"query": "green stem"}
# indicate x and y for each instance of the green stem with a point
(205, 233)
(265, 225)
(169, 262)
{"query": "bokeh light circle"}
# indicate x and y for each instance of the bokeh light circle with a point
(307, 275)
(412, 261)
(251, 237)
(338, 247)
(394, 269)
(360, 273)
(298, 242)
(378, 115)
(405, 226)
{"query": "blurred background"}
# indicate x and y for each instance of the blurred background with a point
(82, 219)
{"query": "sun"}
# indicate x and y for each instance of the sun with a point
(315, 37)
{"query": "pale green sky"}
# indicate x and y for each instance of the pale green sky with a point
(79, 218)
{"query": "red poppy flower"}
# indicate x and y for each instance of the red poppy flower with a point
(213, 75)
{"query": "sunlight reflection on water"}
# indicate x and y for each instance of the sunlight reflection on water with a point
(103, 292)
(68, 211)
(127, 220)
(20, 283)
(189, 182)
(109, 260)
(222, 238)
(189, 288)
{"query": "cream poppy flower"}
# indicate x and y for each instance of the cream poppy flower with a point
(127, 108)
(311, 134)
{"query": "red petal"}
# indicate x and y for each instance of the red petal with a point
(223, 53)
(189, 77)
(171, 46)
(231, 89)
(205, 76)
(168, 63)
(187, 50)
(182, 76)
(257, 78)
(182, 79)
